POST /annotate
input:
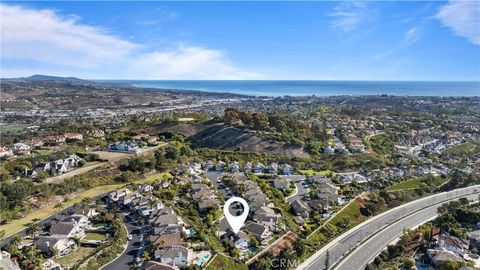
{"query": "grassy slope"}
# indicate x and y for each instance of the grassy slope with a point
(75, 256)
(416, 183)
(19, 224)
(222, 262)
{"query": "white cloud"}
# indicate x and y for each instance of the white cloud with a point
(348, 15)
(43, 38)
(411, 35)
(463, 17)
(187, 62)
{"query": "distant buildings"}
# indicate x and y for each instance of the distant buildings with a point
(125, 147)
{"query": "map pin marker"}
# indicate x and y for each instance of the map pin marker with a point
(236, 222)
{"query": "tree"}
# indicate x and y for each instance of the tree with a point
(254, 242)
(260, 121)
(299, 247)
(232, 117)
(171, 152)
(450, 265)
(33, 229)
(145, 256)
(408, 263)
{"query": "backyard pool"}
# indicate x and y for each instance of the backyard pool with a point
(203, 259)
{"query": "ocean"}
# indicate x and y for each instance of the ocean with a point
(319, 88)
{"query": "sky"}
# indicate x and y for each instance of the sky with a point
(341, 40)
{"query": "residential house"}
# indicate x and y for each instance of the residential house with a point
(88, 212)
(208, 165)
(125, 146)
(195, 167)
(73, 136)
(78, 220)
(358, 178)
(454, 244)
(247, 168)
(259, 231)
(58, 167)
(234, 167)
(54, 139)
(6, 261)
(30, 173)
(474, 237)
(96, 133)
(281, 183)
(61, 244)
(205, 204)
(287, 169)
(259, 168)
(241, 239)
(328, 150)
(439, 256)
(5, 152)
(43, 167)
(72, 161)
(173, 255)
(166, 239)
(220, 166)
(266, 216)
(67, 229)
(153, 265)
(299, 208)
(345, 179)
(273, 168)
(118, 194)
(320, 204)
(145, 188)
(21, 149)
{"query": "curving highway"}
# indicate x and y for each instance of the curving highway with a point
(358, 246)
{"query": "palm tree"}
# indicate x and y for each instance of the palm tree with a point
(16, 240)
(33, 229)
(31, 253)
(145, 256)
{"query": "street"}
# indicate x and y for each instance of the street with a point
(404, 216)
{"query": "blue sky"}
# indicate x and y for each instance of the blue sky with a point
(349, 40)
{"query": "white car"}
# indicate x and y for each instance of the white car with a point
(129, 237)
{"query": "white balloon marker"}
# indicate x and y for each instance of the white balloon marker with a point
(236, 222)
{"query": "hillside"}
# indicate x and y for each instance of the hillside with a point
(217, 135)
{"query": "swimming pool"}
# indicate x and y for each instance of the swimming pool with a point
(202, 260)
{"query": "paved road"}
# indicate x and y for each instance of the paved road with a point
(374, 234)
(301, 188)
(134, 250)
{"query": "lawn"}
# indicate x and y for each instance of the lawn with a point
(418, 183)
(222, 262)
(75, 256)
(350, 211)
(153, 178)
(95, 236)
(14, 128)
(312, 172)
